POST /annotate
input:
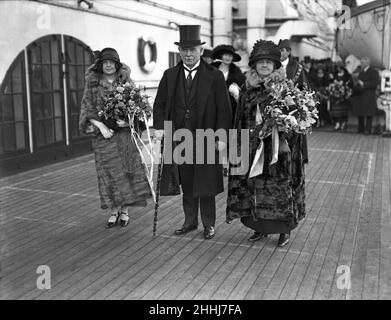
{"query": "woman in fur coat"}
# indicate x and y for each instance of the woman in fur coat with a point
(271, 202)
(122, 181)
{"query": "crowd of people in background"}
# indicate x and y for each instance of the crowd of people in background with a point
(206, 90)
(340, 93)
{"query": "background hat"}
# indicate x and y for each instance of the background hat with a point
(189, 36)
(265, 50)
(307, 59)
(285, 43)
(108, 54)
(207, 53)
(225, 48)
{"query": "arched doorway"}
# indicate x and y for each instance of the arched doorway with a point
(13, 110)
(55, 103)
(40, 101)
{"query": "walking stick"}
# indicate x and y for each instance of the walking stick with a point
(159, 178)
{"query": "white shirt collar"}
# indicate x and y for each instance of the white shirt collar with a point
(366, 68)
(194, 72)
(285, 62)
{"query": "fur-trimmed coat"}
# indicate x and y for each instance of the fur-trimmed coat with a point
(91, 103)
(278, 193)
(121, 177)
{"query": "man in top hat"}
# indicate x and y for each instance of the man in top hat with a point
(193, 95)
(295, 72)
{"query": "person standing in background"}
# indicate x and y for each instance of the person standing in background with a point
(365, 102)
(296, 73)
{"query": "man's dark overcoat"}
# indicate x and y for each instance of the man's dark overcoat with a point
(212, 111)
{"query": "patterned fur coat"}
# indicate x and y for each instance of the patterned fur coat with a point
(278, 193)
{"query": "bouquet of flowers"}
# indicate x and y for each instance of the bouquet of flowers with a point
(288, 110)
(339, 90)
(125, 102)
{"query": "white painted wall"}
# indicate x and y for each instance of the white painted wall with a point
(32, 20)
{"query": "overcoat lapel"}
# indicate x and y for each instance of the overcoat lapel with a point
(205, 82)
(172, 79)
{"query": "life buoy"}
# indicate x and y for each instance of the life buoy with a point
(146, 66)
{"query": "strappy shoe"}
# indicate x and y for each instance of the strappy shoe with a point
(112, 220)
(124, 219)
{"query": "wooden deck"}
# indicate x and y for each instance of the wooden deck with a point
(51, 216)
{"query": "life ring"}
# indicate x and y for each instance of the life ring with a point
(142, 42)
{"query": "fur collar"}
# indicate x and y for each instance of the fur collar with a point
(254, 81)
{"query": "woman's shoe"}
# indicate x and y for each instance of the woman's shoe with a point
(284, 239)
(124, 219)
(337, 126)
(257, 236)
(344, 126)
(112, 220)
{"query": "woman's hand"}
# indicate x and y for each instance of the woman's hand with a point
(106, 132)
(122, 123)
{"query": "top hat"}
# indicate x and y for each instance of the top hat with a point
(285, 43)
(225, 48)
(263, 49)
(307, 59)
(189, 36)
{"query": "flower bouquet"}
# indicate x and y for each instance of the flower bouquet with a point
(127, 102)
(289, 110)
(338, 90)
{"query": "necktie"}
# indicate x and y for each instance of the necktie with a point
(189, 79)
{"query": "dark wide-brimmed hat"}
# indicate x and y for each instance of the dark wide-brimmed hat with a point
(263, 49)
(207, 53)
(225, 48)
(107, 54)
(189, 36)
(307, 59)
(284, 43)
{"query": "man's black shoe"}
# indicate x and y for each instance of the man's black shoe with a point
(209, 233)
(185, 229)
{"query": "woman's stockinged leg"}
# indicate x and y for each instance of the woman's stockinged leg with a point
(113, 218)
(124, 216)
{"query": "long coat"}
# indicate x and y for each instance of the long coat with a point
(365, 100)
(278, 194)
(235, 75)
(213, 111)
(121, 175)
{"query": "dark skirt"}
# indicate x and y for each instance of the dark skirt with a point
(273, 202)
(267, 226)
(122, 179)
(340, 109)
